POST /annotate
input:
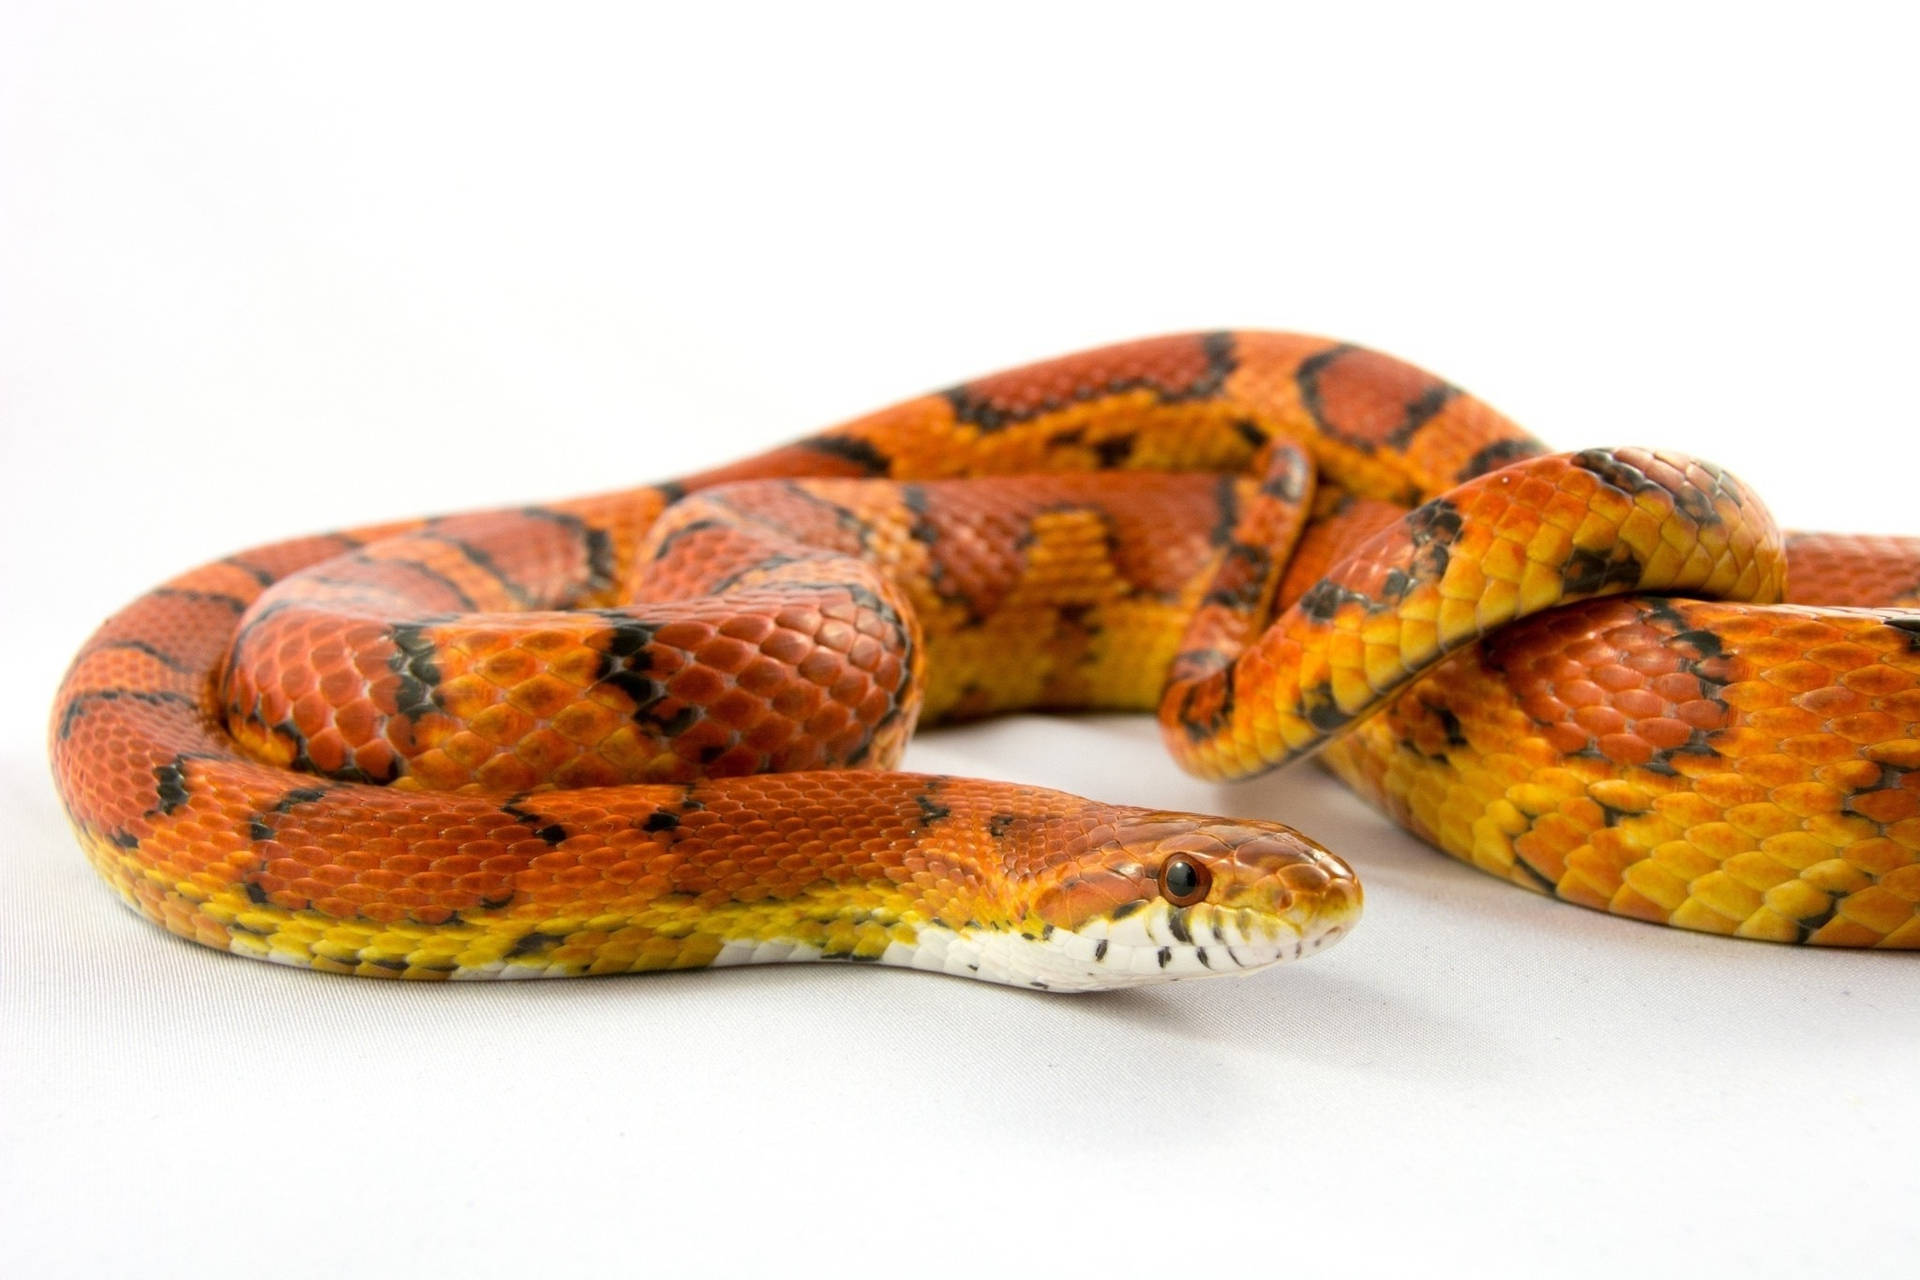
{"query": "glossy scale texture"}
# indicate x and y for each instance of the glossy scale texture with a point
(656, 728)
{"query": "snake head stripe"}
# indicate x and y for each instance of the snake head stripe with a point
(1156, 897)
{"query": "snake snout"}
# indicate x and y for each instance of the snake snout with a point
(1271, 870)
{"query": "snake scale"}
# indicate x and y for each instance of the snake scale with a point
(658, 728)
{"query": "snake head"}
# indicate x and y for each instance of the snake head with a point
(1154, 897)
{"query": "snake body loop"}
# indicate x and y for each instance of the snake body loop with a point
(658, 728)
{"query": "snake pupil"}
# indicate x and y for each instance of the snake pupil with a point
(1183, 880)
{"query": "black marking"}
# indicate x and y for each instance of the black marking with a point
(1198, 664)
(1100, 951)
(1450, 725)
(1165, 956)
(303, 759)
(413, 662)
(687, 530)
(999, 824)
(255, 572)
(1536, 875)
(258, 830)
(420, 569)
(1494, 456)
(846, 520)
(534, 943)
(1587, 572)
(221, 598)
(660, 820)
(1422, 411)
(595, 543)
(1113, 453)
(1612, 816)
(1908, 624)
(678, 723)
(1324, 714)
(171, 780)
(1812, 924)
(987, 417)
(257, 895)
(1177, 925)
(1705, 643)
(1254, 570)
(1323, 599)
(1616, 472)
(551, 832)
(624, 662)
(1226, 501)
(1222, 360)
(1250, 431)
(1200, 954)
(854, 450)
(299, 795)
(1080, 617)
(765, 564)
(1126, 909)
(159, 655)
(1287, 482)
(482, 560)
(931, 812)
(1435, 523)
(1199, 728)
(1307, 378)
(125, 839)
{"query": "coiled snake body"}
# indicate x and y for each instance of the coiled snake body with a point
(656, 728)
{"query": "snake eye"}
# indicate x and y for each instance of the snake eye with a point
(1183, 881)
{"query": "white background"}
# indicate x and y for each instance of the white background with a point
(265, 269)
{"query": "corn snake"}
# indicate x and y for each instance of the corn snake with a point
(656, 728)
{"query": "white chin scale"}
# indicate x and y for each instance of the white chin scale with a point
(1155, 943)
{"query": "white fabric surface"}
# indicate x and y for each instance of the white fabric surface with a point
(269, 269)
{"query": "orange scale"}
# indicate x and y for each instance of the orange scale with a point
(481, 886)
(1866, 727)
(1832, 700)
(1700, 713)
(820, 667)
(548, 640)
(1600, 720)
(1773, 770)
(1664, 733)
(1578, 694)
(1647, 661)
(1886, 807)
(1594, 651)
(1640, 704)
(309, 887)
(1616, 677)
(1878, 681)
(1624, 748)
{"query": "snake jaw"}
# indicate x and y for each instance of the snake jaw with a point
(1271, 894)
